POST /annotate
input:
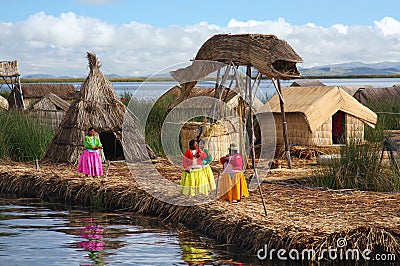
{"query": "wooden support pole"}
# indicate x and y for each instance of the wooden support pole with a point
(284, 126)
(252, 137)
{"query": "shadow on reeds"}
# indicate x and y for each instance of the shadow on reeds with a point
(359, 167)
(22, 138)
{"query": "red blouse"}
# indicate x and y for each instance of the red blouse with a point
(188, 158)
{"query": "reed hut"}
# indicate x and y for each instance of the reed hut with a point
(34, 92)
(3, 103)
(316, 116)
(49, 110)
(97, 107)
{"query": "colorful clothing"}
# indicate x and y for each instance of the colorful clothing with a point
(208, 159)
(195, 178)
(90, 162)
(233, 183)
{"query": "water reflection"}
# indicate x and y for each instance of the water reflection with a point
(93, 233)
(40, 234)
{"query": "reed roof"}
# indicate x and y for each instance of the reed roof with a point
(51, 102)
(306, 82)
(373, 96)
(318, 104)
(272, 57)
(38, 90)
(97, 107)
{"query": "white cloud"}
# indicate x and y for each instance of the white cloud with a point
(58, 45)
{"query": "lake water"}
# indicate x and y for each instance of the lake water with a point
(154, 90)
(35, 233)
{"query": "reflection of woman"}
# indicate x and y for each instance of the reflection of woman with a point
(192, 252)
(206, 166)
(90, 162)
(233, 183)
(93, 233)
(194, 181)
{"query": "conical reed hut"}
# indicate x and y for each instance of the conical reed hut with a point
(97, 107)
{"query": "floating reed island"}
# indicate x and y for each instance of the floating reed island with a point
(298, 217)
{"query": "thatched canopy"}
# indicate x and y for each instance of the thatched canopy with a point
(97, 107)
(51, 102)
(272, 57)
(319, 103)
(3, 103)
(9, 68)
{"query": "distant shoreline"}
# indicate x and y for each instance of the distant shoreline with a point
(165, 79)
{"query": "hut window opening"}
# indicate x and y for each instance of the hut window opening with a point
(339, 128)
(112, 147)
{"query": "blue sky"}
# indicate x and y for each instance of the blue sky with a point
(141, 37)
(162, 13)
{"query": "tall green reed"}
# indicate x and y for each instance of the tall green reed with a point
(359, 167)
(22, 138)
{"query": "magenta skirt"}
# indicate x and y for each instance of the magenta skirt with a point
(90, 164)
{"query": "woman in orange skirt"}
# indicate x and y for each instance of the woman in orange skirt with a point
(233, 183)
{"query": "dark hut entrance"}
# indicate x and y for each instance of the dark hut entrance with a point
(339, 128)
(112, 147)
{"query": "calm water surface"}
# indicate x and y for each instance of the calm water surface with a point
(34, 233)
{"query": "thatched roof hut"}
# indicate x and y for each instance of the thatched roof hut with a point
(306, 83)
(97, 107)
(49, 110)
(314, 114)
(33, 92)
(3, 103)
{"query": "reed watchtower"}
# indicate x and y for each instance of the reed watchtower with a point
(10, 74)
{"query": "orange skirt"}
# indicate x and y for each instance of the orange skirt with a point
(233, 186)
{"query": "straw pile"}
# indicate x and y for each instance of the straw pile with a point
(3, 103)
(298, 217)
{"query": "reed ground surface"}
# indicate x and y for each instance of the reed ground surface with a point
(298, 216)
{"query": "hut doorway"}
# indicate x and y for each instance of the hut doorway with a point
(339, 128)
(112, 147)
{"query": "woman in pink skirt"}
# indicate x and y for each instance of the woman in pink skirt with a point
(90, 162)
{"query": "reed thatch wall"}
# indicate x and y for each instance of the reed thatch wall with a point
(299, 134)
(49, 118)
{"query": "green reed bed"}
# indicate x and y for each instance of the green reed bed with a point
(22, 138)
(155, 119)
(359, 167)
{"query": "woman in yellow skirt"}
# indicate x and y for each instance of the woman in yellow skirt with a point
(233, 183)
(194, 181)
(206, 165)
